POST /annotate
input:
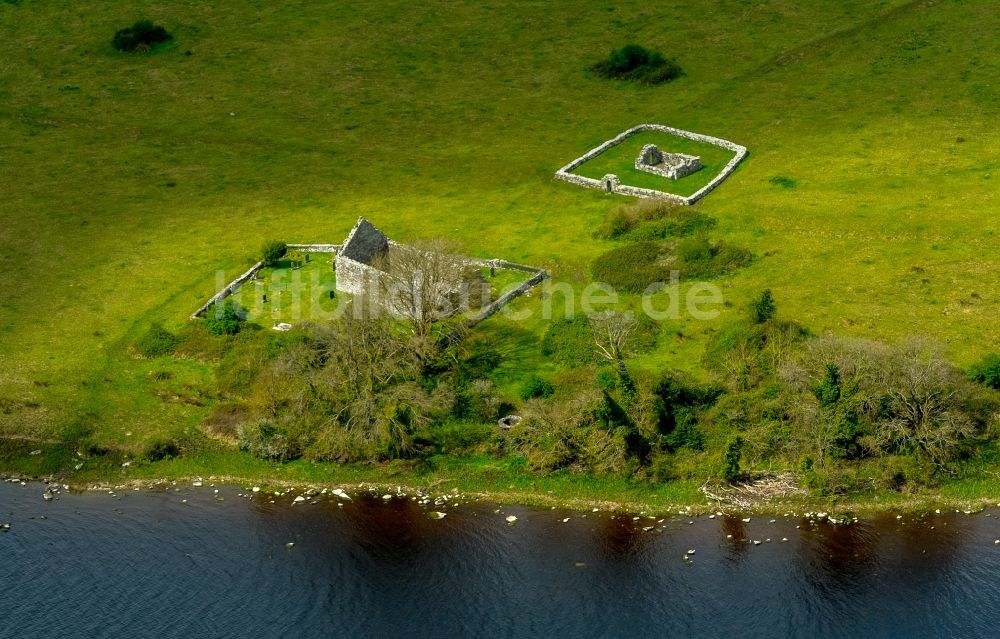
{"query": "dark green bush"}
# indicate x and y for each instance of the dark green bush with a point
(156, 342)
(272, 251)
(679, 225)
(607, 379)
(569, 341)
(140, 37)
(631, 268)
(634, 267)
(731, 460)
(678, 396)
(453, 438)
(697, 257)
(685, 432)
(636, 63)
(652, 220)
(264, 440)
(227, 319)
(161, 449)
(986, 371)
(537, 387)
(480, 402)
(763, 307)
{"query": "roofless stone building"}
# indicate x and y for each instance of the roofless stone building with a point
(670, 165)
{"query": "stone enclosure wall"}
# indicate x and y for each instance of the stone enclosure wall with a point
(358, 278)
(614, 186)
(230, 288)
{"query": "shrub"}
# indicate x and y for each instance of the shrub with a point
(569, 341)
(731, 460)
(198, 344)
(636, 63)
(634, 267)
(453, 438)
(271, 252)
(156, 342)
(685, 432)
(264, 440)
(763, 307)
(227, 319)
(631, 268)
(652, 220)
(140, 37)
(161, 449)
(986, 371)
(537, 387)
(607, 379)
(697, 257)
(481, 402)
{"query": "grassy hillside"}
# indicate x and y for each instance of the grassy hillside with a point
(129, 181)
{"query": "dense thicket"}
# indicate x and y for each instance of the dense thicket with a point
(844, 414)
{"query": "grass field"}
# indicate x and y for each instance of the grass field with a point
(129, 181)
(620, 160)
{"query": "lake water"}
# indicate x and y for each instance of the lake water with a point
(150, 564)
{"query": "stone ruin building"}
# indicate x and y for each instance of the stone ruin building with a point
(670, 165)
(364, 246)
(363, 266)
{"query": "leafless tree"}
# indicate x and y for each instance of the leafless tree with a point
(910, 395)
(612, 333)
(425, 282)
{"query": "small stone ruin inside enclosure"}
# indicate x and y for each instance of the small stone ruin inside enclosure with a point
(670, 165)
(673, 166)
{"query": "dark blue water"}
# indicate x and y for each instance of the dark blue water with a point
(147, 564)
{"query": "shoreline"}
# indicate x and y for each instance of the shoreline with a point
(858, 506)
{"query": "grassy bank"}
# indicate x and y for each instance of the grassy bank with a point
(498, 481)
(132, 180)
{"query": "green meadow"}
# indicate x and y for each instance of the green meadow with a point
(133, 184)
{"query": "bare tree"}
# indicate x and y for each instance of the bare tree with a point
(910, 396)
(426, 282)
(927, 397)
(612, 334)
